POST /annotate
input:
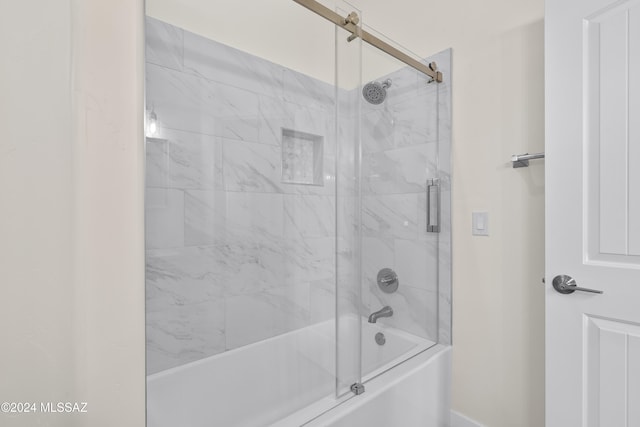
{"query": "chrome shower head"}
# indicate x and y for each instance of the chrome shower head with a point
(375, 92)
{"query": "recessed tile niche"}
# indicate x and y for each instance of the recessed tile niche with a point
(302, 155)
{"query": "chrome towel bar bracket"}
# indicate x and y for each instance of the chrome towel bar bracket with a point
(522, 160)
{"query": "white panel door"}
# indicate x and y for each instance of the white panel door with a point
(593, 212)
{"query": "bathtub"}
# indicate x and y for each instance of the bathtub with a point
(247, 387)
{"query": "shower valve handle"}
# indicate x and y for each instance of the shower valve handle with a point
(389, 279)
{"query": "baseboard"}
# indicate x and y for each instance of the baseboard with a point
(459, 420)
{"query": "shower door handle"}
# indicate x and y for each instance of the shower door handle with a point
(433, 205)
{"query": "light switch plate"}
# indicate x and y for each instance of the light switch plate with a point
(480, 223)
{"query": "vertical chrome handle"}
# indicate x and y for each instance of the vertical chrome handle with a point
(433, 205)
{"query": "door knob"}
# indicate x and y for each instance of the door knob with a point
(567, 285)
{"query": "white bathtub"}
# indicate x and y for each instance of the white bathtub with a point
(416, 393)
(289, 381)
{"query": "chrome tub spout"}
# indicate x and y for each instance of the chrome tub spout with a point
(385, 311)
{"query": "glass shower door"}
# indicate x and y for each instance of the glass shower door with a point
(392, 208)
(400, 210)
(348, 205)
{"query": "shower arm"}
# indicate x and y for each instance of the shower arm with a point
(350, 24)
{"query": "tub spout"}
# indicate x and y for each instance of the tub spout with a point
(385, 311)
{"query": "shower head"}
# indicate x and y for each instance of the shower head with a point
(375, 92)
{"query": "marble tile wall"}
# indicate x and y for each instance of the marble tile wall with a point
(234, 254)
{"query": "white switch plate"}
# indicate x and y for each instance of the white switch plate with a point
(480, 223)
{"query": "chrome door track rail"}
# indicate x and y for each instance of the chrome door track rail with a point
(350, 23)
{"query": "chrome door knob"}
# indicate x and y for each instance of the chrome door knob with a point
(567, 285)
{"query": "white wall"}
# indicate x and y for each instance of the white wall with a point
(36, 240)
(71, 175)
(498, 64)
(108, 151)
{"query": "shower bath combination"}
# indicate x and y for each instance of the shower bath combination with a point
(263, 303)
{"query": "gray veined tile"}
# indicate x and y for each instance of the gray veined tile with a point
(308, 259)
(191, 103)
(181, 276)
(444, 294)
(252, 167)
(237, 113)
(391, 216)
(216, 61)
(184, 305)
(349, 104)
(164, 44)
(347, 210)
(169, 292)
(403, 170)
(444, 320)
(444, 259)
(415, 121)
(444, 148)
(157, 163)
(304, 90)
(251, 257)
(274, 117)
(254, 216)
(271, 312)
(378, 130)
(349, 295)
(347, 148)
(247, 266)
(204, 217)
(313, 121)
(243, 126)
(322, 300)
(377, 254)
(164, 218)
(181, 334)
(184, 160)
(417, 263)
(238, 265)
(309, 215)
(177, 99)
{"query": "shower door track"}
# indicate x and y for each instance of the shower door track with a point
(350, 23)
